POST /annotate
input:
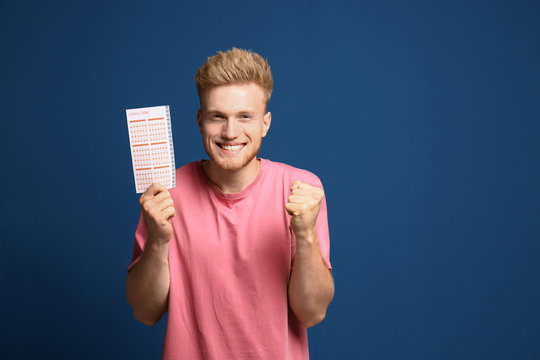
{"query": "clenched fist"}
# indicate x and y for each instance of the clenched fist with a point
(304, 205)
(158, 209)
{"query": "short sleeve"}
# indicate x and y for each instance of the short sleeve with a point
(322, 227)
(141, 234)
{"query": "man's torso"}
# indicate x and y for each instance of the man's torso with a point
(230, 259)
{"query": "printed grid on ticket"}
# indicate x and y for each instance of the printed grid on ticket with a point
(152, 151)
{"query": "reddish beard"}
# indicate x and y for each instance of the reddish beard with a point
(231, 165)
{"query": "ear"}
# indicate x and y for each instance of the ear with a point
(267, 120)
(199, 120)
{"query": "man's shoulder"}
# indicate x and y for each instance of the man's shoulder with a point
(291, 173)
(188, 170)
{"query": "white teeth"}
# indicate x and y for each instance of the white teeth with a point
(232, 147)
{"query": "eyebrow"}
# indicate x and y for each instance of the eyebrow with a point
(240, 112)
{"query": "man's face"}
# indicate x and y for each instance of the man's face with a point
(232, 121)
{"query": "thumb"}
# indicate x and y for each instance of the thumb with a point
(293, 208)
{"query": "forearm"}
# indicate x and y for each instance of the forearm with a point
(147, 285)
(311, 287)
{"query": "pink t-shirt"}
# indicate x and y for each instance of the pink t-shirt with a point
(230, 259)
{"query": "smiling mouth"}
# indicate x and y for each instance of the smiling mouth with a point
(231, 147)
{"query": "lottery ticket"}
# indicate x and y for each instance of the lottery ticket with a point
(152, 151)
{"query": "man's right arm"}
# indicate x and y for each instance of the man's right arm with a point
(147, 284)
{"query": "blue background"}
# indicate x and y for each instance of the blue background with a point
(421, 118)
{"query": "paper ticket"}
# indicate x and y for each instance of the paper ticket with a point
(152, 151)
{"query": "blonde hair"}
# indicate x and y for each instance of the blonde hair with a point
(235, 66)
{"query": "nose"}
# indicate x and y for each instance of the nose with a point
(230, 129)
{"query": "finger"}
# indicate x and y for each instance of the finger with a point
(294, 208)
(162, 196)
(168, 213)
(302, 192)
(152, 190)
(151, 200)
(295, 185)
(309, 187)
(165, 204)
(290, 208)
(155, 188)
(298, 199)
(316, 192)
(154, 203)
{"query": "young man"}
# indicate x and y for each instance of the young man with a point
(238, 252)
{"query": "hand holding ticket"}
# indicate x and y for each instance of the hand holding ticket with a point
(157, 208)
(152, 151)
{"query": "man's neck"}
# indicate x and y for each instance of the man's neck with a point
(232, 182)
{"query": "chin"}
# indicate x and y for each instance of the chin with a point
(231, 165)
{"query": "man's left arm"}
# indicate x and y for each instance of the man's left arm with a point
(311, 287)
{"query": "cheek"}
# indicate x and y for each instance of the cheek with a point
(208, 131)
(255, 130)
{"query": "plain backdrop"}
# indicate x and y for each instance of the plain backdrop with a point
(421, 118)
